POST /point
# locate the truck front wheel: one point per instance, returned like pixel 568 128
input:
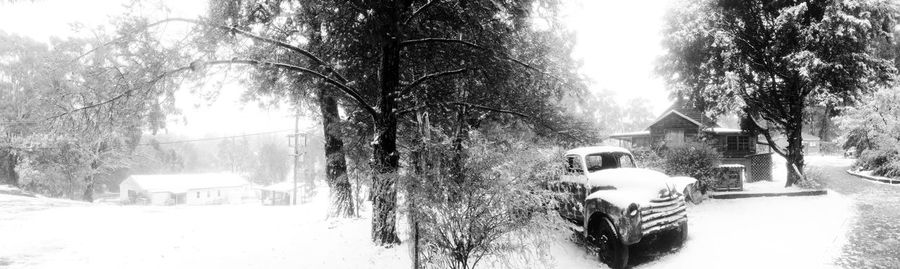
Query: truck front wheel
pixel 612 251
pixel 681 234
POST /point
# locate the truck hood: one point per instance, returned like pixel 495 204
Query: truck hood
pixel 634 184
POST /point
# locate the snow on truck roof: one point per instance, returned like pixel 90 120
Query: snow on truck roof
pixel 178 183
pixel 598 149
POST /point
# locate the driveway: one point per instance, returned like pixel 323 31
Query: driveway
pixel 873 237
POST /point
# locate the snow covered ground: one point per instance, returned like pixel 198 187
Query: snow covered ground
pixel 241 236
pixel 784 232
pixel 774 232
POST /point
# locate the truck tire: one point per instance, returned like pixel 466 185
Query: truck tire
pixel 612 252
pixel 681 235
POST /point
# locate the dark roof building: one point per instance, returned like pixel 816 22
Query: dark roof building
pixel 683 123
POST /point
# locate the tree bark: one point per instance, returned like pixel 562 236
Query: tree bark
pixel 89 189
pixel 8 162
pixel 459 154
pixel 824 123
pixel 335 162
pixel 794 155
pixel 386 158
pixel 88 195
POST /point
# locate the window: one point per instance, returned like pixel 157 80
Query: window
pixel 674 137
pixel 597 162
pixel 625 161
pixel 198 194
pixel 573 165
pixel 737 143
pixel 219 193
pixel 207 194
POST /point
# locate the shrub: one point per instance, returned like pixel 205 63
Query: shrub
pixel 697 160
pixel 882 162
pixel 650 159
pixel 496 212
pixel 873 159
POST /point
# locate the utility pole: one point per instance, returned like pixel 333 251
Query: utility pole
pixel 296 155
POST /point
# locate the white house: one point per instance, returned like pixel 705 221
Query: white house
pixel 278 194
pixel 192 189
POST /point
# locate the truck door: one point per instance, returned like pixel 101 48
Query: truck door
pixel 572 182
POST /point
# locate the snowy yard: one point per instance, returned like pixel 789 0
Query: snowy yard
pixel 102 236
pixel 792 232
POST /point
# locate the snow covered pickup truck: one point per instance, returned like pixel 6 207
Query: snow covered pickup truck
pixel 614 204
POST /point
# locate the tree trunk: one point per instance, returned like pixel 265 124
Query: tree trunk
pixel 459 153
pixel 384 189
pixel 8 162
pixel 794 155
pixel 335 162
pixel 824 127
pixel 89 189
pixel 386 158
pixel 88 195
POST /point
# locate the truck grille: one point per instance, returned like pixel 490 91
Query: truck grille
pixel 662 213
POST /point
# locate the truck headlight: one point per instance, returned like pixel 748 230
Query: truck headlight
pixel 632 210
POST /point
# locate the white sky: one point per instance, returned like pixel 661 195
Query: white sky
pixel 618 42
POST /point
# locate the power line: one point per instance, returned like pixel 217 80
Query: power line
pixel 213 138
pixel 185 141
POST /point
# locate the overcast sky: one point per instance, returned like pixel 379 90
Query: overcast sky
pixel 618 42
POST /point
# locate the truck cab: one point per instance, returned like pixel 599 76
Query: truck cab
pixel 615 204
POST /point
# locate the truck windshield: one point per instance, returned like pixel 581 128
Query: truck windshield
pixel 601 161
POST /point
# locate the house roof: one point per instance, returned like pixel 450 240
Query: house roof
pixel 597 149
pixel 688 112
pixel 180 183
pixel 719 130
pixel 670 112
pixel 630 134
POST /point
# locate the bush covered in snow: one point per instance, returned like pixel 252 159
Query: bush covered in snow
pixel 648 158
pixel 874 126
pixel 491 210
pixel 882 162
pixel 697 160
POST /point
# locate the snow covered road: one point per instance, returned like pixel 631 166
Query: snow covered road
pixel 874 235
pixel 777 232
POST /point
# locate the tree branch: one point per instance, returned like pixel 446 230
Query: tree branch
pixel 121 95
pixel 353 93
pixel 419 10
pixel 490 109
pixel 467 44
pixel 431 76
pixel 465 104
pixel 257 63
pixel 772 145
pixel 279 43
pixel 235 30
